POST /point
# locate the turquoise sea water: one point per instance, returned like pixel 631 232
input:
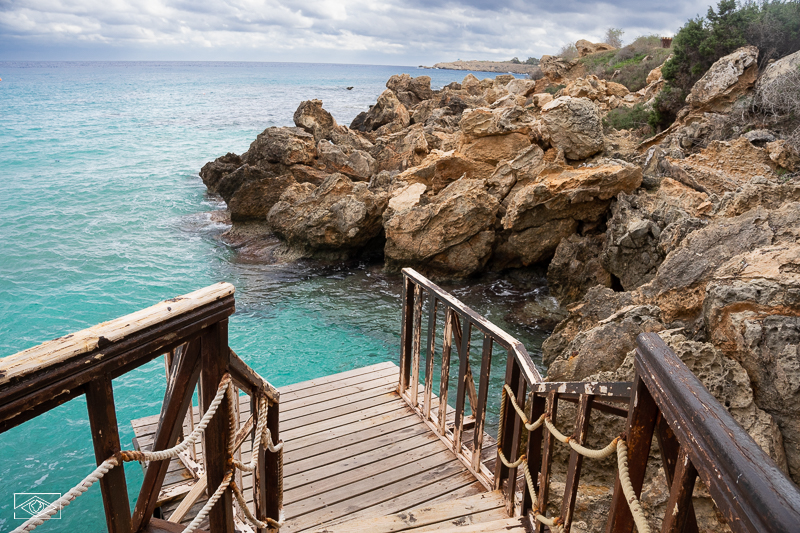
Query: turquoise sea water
pixel 102 213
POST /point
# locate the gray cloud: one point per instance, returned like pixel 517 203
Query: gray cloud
pixel 390 31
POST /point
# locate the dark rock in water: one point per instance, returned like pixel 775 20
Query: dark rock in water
pixel 350 88
pixel 251 192
pixel 213 171
pixel 314 119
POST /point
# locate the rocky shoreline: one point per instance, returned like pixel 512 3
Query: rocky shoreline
pixel 692 234
pixel 504 67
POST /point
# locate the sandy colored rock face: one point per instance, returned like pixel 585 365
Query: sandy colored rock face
pixel 440 169
pixel 407 197
pixel 576 267
pixel 483 122
pixel 574 126
pixel 311 117
pixel 556 68
pixel 213 171
pixel 493 149
pixel 287 146
pixel 723 166
pixel 339 215
pixel 410 91
pixel 388 110
pixel 726 80
pixel 777 70
pixel 452 232
pixel 586 48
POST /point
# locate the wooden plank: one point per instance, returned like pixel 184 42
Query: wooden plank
pixel 215 355
pixel 176 402
pixel 376 402
pixel 680 495
pixel 336 385
pixel 272 470
pixel 483 391
pixel 576 460
pixel 56 351
pixel 505 525
pixel 319 404
pixel 248 380
pixel 477 522
pixel 459 485
pixel 314 384
pixel 417 489
pixel 312 483
pixel 105 439
pixel 416 519
pixel 429 353
pixel 198 489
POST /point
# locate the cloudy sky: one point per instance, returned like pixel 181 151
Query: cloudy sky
pixel 391 32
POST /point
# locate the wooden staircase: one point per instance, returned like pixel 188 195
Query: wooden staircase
pixel 484 512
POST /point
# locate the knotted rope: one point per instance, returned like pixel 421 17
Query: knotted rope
pixel 618 445
pixel 263 439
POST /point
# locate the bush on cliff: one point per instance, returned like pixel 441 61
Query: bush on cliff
pixel 629 65
pixel 628 118
pixel 771 25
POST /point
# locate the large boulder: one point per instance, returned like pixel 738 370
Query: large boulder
pixel 576 267
pixel 250 192
pixel 451 232
pixel 646 226
pixel 557 68
pixel 339 216
pixel 439 169
pixel 752 314
pixel 402 150
pixel 574 126
pixel 549 207
pixel 775 73
pixel 495 148
pixel 586 48
pixel 410 91
pixel 356 164
pixel 723 166
pixel 727 79
pixel 287 146
pixel 483 122
pixel 314 119
pixel 387 110
pixel 213 171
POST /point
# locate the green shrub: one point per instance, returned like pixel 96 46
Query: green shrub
pixel 627 118
pixel 629 65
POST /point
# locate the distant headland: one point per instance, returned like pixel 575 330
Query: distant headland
pixel 487 66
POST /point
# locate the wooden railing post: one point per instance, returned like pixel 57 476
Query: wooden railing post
pixel 483 395
pixel 432 307
pixel 444 378
pixel 547 459
pixel 416 345
pixel 508 423
pixel 534 453
pixel 274 468
pixel 215 356
pixel 576 460
pixel 105 437
pixel 642 414
pixel 406 334
pixel 463 376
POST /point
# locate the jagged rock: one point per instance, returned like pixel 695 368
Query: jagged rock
pixel 440 169
pixel 576 267
pixel 356 164
pixel 287 146
pixel 634 247
pixel 605 346
pixel 616 89
pixel 314 119
pixel 402 150
pixel 752 314
pixel 387 110
pixel 759 137
pixel 338 216
pixel 759 192
pixel 542 99
pixel 483 122
pixel 251 192
pixel 493 149
pixel 777 71
pixel 344 137
pixel 574 126
pixel 727 79
pixel 502 79
pixel 407 197
pixel 521 87
pixel 586 48
pixel 423 112
pixel 451 233
pixel 213 171
pixel 654 75
pixel 471 85
pixel 549 206
pixel 410 91
pixel 723 166
pixel 557 68
pixel 590 87
pixel 783 155
pixel 679 285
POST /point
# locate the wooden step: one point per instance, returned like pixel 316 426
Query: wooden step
pixel 480 512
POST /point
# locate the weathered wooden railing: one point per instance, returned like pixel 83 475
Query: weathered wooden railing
pixel 696 435
pixel 193 330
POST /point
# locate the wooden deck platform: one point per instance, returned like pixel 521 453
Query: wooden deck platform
pixel 354 449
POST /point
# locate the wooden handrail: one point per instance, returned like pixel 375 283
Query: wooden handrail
pixel 193 330
pixel 747 486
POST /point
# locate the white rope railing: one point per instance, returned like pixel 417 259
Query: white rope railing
pixel 618 445
pixel 263 440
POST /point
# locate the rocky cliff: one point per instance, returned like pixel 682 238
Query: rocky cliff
pixel 692 234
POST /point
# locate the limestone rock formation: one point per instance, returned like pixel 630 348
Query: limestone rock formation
pixel 387 110
pixel 576 267
pixel 776 71
pixel 314 119
pixel 586 48
pixel 213 171
pixel 410 91
pixel 339 216
pixel 725 81
pixel 574 126
pixel 451 232
pixel 556 68
pixel 287 146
